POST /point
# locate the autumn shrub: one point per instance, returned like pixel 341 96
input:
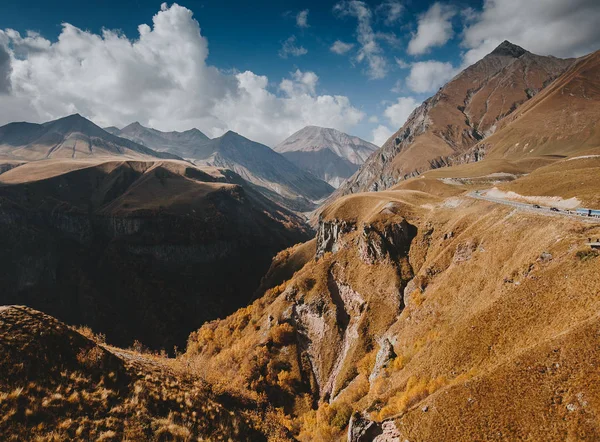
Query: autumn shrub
pixel 282 334
pixel 416 390
pixel 326 423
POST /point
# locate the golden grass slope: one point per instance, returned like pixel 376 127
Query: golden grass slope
pixel 56 384
pixel 561 120
pixel 492 315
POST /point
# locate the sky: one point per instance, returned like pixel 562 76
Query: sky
pixel 264 69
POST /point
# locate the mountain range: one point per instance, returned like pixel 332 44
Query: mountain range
pixel 270 172
pixel 327 153
pixel 448 292
pixel 72 137
pixel 145 250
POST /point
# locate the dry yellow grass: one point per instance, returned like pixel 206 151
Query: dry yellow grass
pixel 491 285
pixel 568 178
pixel 56 384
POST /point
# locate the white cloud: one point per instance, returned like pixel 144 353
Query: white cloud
pixel 391 11
pixel 402 64
pixel 563 28
pixel 340 48
pixel 373 119
pixel 428 76
pixel 288 47
pixel 398 113
pixel 370 51
pixel 398 87
pixel 302 19
pixel 261 115
pixel 380 135
pixel 434 29
pixel 160 79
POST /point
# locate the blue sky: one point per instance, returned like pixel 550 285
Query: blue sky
pixel 390 56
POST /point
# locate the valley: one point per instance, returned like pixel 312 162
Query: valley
pixel 175 286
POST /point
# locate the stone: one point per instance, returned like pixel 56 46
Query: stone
pixel 385 354
pixel 362 429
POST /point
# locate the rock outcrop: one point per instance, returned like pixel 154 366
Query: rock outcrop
pixel 362 429
pixel 385 355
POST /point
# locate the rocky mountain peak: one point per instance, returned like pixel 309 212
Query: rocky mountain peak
pixel 508 49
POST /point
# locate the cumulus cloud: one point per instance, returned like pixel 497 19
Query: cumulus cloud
pixel 428 76
pixel 262 115
pixel 340 48
pixel 380 135
pixel 302 19
pixel 398 113
pixel 563 28
pixel 289 47
pixel 160 79
pixel 391 11
pixel 370 51
pixel 434 29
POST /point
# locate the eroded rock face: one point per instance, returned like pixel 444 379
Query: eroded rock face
pixel 362 429
pixel 385 355
pixel 375 245
pixel 389 433
pixel 329 234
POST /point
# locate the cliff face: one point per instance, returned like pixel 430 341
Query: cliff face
pixel 462 113
pixel 111 247
pixel 412 307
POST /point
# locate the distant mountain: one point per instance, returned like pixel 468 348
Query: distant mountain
pixel 183 144
pixel 274 176
pixel 462 113
pixel 68 137
pixel 327 153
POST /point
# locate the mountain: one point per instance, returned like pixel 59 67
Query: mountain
pixel 328 154
pixel 463 112
pixel 182 144
pixel 69 137
pixel 561 120
pixel 269 171
pixel 145 250
pixel 271 174
pixel 419 315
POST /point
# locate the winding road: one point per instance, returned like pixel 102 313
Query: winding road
pixel 479 195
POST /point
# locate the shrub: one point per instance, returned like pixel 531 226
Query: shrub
pixel 587 254
pixel 282 334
